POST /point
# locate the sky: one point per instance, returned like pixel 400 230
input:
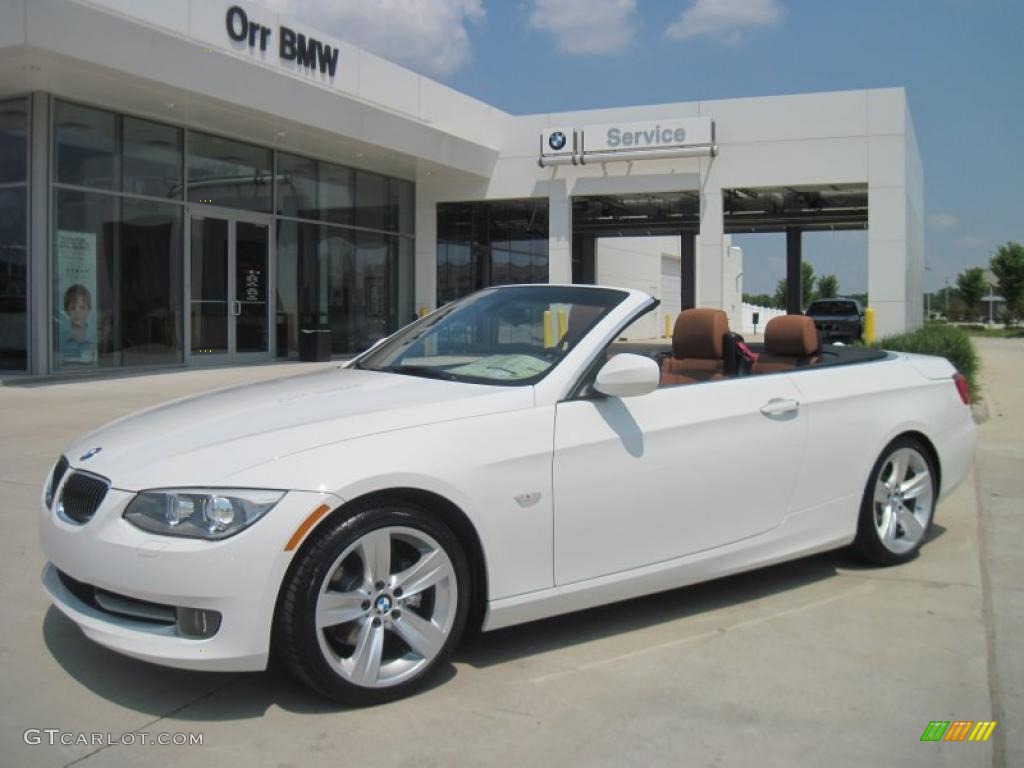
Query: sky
pixel 960 60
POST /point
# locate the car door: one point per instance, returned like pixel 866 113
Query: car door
pixel 684 469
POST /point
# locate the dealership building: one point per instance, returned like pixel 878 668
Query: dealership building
pixel 199 182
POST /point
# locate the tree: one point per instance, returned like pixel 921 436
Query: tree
pixel 972 287
pixel 807 284
pixel 759 299
pixel 828 287
pixel 1008 267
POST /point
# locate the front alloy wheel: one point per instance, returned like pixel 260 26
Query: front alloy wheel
pixel 375 604
pixel 898 504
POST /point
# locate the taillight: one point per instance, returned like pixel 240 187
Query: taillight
pixel 961 388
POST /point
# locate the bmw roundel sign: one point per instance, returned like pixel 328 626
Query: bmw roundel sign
pixel 557 142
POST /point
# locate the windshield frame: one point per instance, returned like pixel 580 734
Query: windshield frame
pixel 390 347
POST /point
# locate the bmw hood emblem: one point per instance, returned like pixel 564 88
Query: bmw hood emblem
pixel 556 140
pixel 90 453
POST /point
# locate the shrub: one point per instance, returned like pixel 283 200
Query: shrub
pixel 946 341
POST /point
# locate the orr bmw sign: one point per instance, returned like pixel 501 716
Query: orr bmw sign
pixel 292 47
pixel 628 141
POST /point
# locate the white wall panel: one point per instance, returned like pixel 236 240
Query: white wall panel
pixel 12 22
pixel 887 213
pixel 887 110
pixel 775 118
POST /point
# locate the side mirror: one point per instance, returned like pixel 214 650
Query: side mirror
pixel 627 375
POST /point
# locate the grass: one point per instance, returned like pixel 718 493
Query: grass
pixel 993 333
pixel 946 341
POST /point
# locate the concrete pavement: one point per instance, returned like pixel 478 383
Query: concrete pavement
pixel 817 662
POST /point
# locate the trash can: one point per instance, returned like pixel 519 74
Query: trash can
pixel 314 345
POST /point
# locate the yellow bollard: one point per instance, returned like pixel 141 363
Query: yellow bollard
pixel 548 340
pixel 869 326
pixel 668 326
pixel 423 311
pixel 563 324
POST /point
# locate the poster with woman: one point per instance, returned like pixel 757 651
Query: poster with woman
pixel 76 298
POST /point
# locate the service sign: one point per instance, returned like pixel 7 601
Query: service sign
pixel 557 142
pixel 651 134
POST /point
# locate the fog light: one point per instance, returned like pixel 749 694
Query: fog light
pixel 220 512
pixel 179 508
pixel 197 622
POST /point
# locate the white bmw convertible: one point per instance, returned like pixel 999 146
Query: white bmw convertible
pixel 503 459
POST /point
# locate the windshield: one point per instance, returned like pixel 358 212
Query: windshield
pixel 510 336
pixel 832 308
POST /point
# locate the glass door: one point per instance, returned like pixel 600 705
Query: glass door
pixel 250 310
pixel 229 262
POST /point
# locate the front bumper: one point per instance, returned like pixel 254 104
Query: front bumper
pixel 838 329
pixel 238 577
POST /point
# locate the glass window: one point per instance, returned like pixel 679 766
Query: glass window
pixel 229 173
pixel 403 205
pixel 13 280
pixel 84 280
pixel 13 140
pixel 336 193
pixel 150 283
pixel 490 243
pixel 403 281
pixel 153 159
pixel 373 203
pixel 86 146
pixel 296 186
pixel 302 290
pixel 494 336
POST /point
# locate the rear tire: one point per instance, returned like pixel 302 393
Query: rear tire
pixel 899 503
pixel 375 605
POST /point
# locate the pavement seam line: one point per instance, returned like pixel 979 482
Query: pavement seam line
pixel 988 611
pixel 156 720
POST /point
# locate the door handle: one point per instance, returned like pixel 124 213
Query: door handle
pixel 778 406
pixel 236 308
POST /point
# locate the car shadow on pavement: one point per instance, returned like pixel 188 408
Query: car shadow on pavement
pixel 485 649
pixel 216 696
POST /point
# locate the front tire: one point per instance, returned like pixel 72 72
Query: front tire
pixel 375 604
pixel 899 503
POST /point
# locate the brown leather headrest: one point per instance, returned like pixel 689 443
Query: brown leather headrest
pixel 698 333
pixel 793 335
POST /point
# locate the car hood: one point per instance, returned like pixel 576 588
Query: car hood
pixel 205 439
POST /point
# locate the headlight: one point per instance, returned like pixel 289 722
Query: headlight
pixel 200 513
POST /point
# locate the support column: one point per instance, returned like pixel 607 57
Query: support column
pixel 559 233
pixel 794 273
pixel 687 270
pixel 38 261
pixel 709 251
pixel 426 249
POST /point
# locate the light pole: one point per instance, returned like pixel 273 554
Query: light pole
pixel 927 297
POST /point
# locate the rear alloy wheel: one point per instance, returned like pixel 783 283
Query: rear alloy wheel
pixel 898 503
pixel 375 605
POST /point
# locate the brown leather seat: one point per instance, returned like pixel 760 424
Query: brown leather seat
pixel 696 348
pixel 790 341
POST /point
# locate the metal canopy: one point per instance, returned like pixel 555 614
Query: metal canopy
pixel 766 209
